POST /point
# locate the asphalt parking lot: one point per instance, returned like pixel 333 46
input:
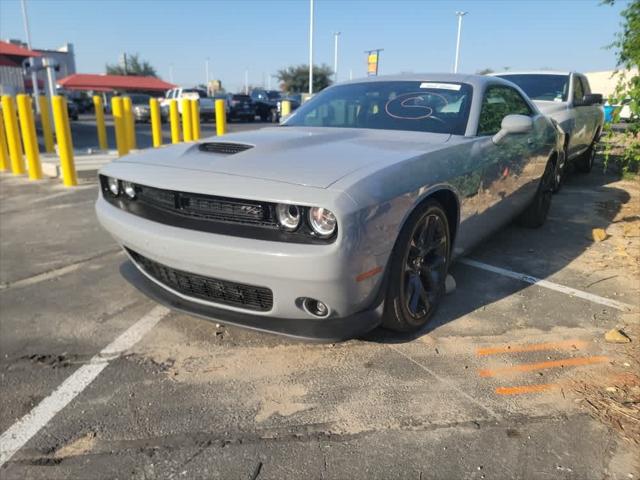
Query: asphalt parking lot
pixel 99 382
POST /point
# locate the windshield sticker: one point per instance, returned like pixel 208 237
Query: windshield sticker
pixel 415 106
pixel 441 86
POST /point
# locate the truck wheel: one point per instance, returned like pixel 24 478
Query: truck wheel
pixel 584 163
pixel 418 269
pixel 536 213
pixel 560 170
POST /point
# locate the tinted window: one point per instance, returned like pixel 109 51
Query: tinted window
pixel 542 86
pixel 138 99
pixel 498 102
pixel 201 93
pixel 578 91
pixel 244 98
pixel 416 106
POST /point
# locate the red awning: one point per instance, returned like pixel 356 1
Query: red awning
pixel 85 81
pixel 16 50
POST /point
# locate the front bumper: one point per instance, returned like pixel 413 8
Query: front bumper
pixel 330 329
pixel 292 271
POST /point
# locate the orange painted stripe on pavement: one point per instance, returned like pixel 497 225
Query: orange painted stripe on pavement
pixel 525 389
pixel 532 347
pixel 529 367
pixel 368 274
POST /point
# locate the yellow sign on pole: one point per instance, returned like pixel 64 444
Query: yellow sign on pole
pixel 373 60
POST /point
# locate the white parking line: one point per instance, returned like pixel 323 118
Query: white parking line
pixel 21 432
pixel 550 285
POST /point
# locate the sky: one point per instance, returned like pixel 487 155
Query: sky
pixel 262 36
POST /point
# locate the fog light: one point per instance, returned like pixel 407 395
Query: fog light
pixel 129 189
pixel 315 307
pixel 114 185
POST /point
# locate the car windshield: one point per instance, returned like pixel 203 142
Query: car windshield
pixel 273 94
pixel 542 86
pixel 140 99
pixel 436 107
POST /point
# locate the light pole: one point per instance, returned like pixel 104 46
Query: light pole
pixel 310 47
pixel 34 75
pixel 459 14
pixel 335 56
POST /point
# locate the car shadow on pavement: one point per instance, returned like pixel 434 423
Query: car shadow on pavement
pixel 586 202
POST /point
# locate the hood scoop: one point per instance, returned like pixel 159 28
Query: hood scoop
pixel 223 147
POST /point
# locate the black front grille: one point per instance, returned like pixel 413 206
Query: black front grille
pixel 206 288
pixel 223 147
pixel 208 207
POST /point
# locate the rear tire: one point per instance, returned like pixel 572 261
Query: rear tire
pixel 536 213
pixel 418 269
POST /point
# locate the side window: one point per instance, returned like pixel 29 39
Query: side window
pixel 578 91
pixel 499 102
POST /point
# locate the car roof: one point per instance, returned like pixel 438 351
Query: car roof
pixel 532 72
pixel 473 80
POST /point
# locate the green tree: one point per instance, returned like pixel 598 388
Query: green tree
pixel 132 66
pixel 627 47
pixel 295 79
pixel 484 71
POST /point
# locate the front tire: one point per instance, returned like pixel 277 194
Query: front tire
pixel 418 269
pixel 584 162
pixel 536 213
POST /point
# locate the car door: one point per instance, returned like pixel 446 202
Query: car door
pixel 590 113
pixel 509 169
pixel 579 141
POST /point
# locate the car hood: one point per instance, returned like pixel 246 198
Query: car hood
pixel 315 157
pixel 550 107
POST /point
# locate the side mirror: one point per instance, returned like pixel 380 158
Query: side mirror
pixel 591 99
pixel 513 124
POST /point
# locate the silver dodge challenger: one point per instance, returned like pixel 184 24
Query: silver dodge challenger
pixel 344 217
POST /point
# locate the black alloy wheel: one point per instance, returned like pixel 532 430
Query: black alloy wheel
pixel 418 274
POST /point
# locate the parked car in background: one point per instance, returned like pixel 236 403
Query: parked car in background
pixel 266 102
pixel 294 99
pixel 345 216
pixel 240 107
pixel 207 107
pixel 626 114
pixel 566 98
pixel 140 106
pixel 72 109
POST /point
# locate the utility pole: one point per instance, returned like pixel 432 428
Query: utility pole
pixel 34 75
pixel 459 14
pixel 310 47
pixel 335 56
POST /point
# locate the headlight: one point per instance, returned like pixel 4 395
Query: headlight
pixel 129 189
pixel 114 185
pixel 322 221
pixel 288 216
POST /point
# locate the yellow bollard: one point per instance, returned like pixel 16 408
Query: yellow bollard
pixel 29 139
pixel 285 108
pixel 156 127
pixel 13 135
pixel 130 124
pixel 100 125
pixel 187 123
pixel 221 117
pixel 119 126
pixel 195 119
pixel 5 162
pixel 65 145
pixel 45 121
pixel 174 117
